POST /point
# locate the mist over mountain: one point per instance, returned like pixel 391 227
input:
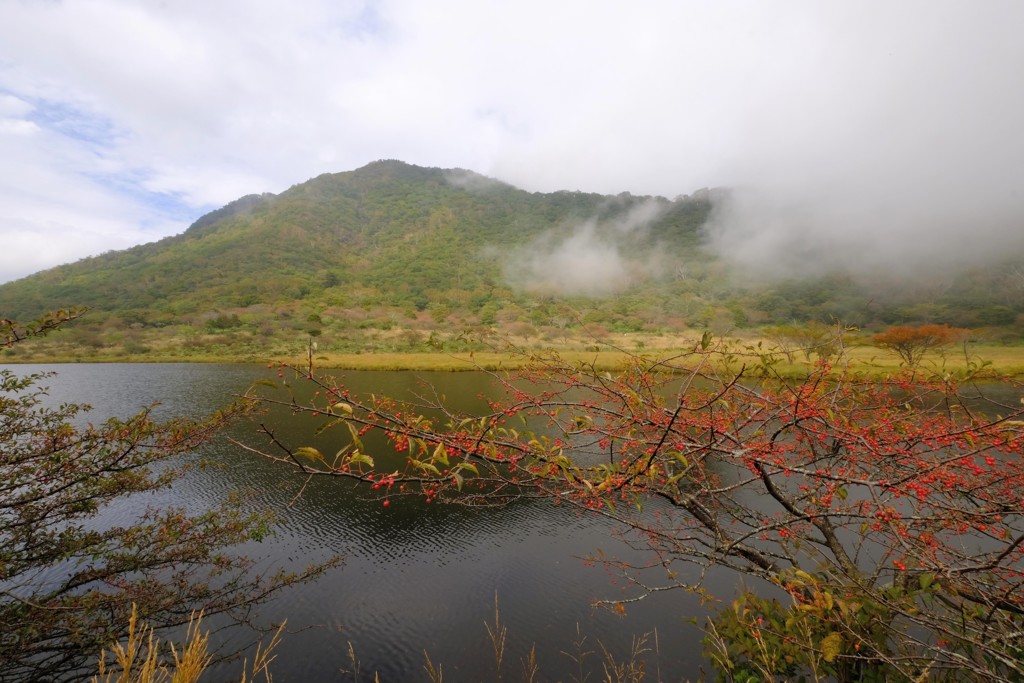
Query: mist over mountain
pixel 911 227
pixel 892 144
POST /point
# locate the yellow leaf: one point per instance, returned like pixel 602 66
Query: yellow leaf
pixel 831 646
pixel 800 573
pixel 441 454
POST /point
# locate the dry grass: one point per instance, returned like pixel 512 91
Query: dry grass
pixel 868 360
pixel 138 659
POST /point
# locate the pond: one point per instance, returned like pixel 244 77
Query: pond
pixel 414 576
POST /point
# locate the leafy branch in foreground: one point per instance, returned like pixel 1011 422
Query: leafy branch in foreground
pixel 890 510
pixel 12 332
pixel 68 575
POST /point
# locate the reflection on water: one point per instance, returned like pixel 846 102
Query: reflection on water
pixel 415 576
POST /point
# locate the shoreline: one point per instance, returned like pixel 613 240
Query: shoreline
pixel 988 361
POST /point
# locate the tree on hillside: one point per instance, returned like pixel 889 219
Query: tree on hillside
pixel 67 579
pixel 911 342
pixel 884 520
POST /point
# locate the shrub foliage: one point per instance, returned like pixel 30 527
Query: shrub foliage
pixel 68 580
pixel 884 516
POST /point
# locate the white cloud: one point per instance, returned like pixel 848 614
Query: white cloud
pixel 869 121
pixel 17 127
pixel 13 107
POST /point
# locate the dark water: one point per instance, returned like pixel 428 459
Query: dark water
pixel 415 577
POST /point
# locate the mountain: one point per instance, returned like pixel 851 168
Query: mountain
pixel 360 256
pixel 386 242
pixel 388 233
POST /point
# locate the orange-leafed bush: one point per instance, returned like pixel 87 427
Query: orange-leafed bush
pixel 911 342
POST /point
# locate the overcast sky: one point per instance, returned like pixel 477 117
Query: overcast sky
pixel 847 125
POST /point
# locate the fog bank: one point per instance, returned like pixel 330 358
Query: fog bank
pixel 895 150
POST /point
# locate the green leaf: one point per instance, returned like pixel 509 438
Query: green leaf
pixel 358 457
pixel 926 580
pixel 355 435
pixel 426 467
pixel 309 452
pixel 468 466
pixel 680 457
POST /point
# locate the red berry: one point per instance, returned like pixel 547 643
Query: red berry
pixel 387 503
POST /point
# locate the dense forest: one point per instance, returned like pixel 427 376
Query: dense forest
pixel 391 255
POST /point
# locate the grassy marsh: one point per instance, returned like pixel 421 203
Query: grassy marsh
pixel 605 354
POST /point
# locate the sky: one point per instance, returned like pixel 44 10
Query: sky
pixel 875 135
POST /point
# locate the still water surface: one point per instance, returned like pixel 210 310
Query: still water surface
pixel 415 577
